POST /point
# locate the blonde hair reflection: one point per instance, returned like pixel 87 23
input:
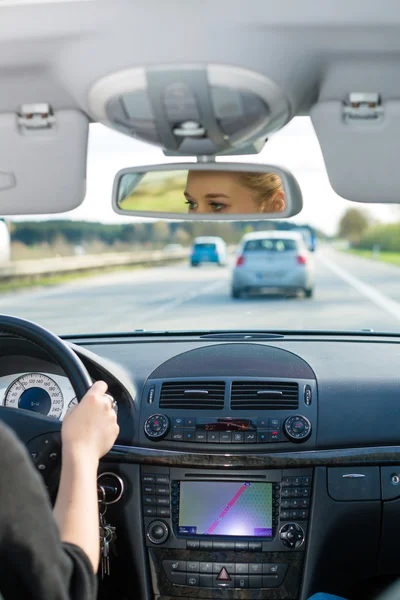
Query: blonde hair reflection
pixel 266 188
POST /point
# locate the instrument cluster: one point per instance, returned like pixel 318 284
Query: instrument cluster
pixel 47 394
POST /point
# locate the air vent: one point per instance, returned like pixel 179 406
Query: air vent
pixel 196 395
pixel 264 395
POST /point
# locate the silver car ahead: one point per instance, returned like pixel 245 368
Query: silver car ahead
pixel 274 260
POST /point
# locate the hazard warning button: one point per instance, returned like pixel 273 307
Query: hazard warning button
pixel 223 575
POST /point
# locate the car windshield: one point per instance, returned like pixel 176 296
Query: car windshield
pixel 334 266
pixel 270 245
pixel 204 246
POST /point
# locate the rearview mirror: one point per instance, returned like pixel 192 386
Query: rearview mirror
pixel 207 191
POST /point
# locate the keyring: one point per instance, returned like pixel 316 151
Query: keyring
pixel 101 489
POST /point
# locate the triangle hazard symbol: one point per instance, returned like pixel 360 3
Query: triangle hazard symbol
pixel 223 575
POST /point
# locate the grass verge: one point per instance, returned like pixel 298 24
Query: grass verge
pixel 54 280
pixel 392 258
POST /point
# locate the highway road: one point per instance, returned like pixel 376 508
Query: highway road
pixel 351 293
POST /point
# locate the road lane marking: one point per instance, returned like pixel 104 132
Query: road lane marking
pixel 187 297
pixel 387 304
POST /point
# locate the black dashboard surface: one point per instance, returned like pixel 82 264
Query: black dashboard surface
pixel 358 379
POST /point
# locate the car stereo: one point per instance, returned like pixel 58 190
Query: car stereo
pixel 226 529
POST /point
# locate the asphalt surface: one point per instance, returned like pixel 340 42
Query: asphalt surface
pixel 351 293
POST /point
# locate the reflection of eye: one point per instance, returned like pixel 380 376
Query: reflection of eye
pixel 217 206
pixel 192 204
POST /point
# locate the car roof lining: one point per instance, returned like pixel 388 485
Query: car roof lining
pixel 54 52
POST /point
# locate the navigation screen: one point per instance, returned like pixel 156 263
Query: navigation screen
pixel 232 508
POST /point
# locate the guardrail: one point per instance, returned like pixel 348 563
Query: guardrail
pixel 34 269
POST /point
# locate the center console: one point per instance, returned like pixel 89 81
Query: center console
pixel 208 530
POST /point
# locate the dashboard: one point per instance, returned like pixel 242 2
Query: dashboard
pixel 246 464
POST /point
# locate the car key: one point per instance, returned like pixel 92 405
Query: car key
pixel 107 535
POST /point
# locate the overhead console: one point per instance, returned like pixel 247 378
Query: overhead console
pixel 253 398
pixel 192 110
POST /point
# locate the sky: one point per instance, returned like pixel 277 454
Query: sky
pixel 295 147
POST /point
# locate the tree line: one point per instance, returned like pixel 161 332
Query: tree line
pixel 154 233
pixel 362 232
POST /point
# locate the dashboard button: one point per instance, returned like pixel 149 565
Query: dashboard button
pixel 285 515
pixel 150 511
pixel 222 545
pixel 148 478
pixel 190 422
pixel 174 565
pixel 178 422
pixel 296 492
pixel 241 581
pixel 206 567
pixel 225 437
pixel 262 437
pixel 189 435
pixel 192 566
pixel 162 490
pixel 177 435
pixel 241 546
pixel 304 502
pixel 162 479
pixel 263 422
pixel 255 546
pixel 218 566
pixel 206 580
pixel 306 481
pixel 163 501
pixel 200 436
pixel 306 492
pixel 192 544
pixel 255 582
pixel 270 569
pixel 297 481
pixel 303 515
pixel 241 568
pixel 287 482
pixel 255 569
pixel 250 437
pixel 193 579
pixel 307 395
pixel 206 544
pixel 163 511
pixel 149 489
pixel 275 423
pixel 286 503
pixel 213 437
pixel 270 581
pixel 237 437
pixel 274 435
pixel 149 499
pixel 294 504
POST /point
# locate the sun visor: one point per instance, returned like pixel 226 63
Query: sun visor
pixel 42 160
pixel 360 142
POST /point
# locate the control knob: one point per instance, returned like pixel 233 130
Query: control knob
pixel 157 532
pixel 297 428
pixel 292 535
pixel 156 427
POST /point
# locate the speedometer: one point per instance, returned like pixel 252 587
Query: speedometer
pixel 36 392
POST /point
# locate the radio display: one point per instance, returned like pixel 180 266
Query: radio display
pixel 229 508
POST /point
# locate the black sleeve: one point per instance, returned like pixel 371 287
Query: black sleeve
pixel 34 563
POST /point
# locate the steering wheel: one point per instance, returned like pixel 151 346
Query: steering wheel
pixel 41 433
